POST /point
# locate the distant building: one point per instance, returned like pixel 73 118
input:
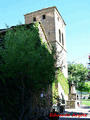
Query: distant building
pixel 89 68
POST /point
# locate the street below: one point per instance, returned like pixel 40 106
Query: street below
pixel 81 113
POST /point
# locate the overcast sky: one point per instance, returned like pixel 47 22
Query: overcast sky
pixel 76 14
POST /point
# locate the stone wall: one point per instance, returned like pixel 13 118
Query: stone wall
pixel 48 23
pixel 61 49
pixel 70 103
pixel 52 23
pixel 73 96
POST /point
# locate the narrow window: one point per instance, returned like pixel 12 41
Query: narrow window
pixel 48 33
pixel 59 36
pixel 34 19
pixel 58 18
pixel 43 16
pixel 62 39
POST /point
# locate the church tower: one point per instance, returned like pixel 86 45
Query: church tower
pixel 54 27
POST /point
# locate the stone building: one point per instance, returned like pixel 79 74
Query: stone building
pixel 37 104
pixel 54 27
pixel 52 31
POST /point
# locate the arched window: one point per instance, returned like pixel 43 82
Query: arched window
pixel 62 39
pixel 59 36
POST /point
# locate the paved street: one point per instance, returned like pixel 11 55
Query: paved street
pixel 74 118
pixel 82 113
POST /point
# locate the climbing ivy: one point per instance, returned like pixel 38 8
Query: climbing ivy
pixel 26 68
pixel 63 82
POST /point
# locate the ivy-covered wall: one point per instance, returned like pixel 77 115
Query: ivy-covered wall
pixel 64 84
pixel 54 93
pixel 27 71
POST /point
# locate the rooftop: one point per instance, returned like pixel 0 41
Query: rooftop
pixel 54 7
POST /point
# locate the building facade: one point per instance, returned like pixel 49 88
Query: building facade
pixel 89 68
pixel 54 27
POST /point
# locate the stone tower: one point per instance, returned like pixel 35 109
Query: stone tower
pixel 54 27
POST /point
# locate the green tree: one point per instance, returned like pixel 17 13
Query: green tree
pixel 26 67
pixel 77 74
pixel 88 76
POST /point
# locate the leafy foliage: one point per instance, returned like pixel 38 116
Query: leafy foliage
pixel 26 66
pixel 86 102
pixel 54 93
pixel 63 81
pixel 77 74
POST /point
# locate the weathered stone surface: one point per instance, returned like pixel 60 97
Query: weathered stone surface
pixel 72 96
pixel 52 23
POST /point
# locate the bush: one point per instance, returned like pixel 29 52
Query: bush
pixel 26 67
